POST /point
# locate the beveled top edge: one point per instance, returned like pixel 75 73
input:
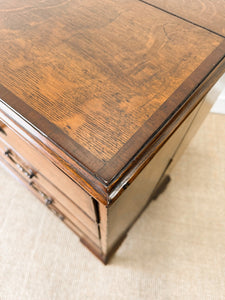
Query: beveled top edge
pixel 101 186
pixel 166 112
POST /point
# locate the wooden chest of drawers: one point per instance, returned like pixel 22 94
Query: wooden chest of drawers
pixel 98 101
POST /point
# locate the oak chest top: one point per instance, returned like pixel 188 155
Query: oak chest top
pixel 102 84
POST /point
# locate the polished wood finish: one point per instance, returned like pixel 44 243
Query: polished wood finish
pixel 98 99
pixel 114 66
pixel 206 13
pixel 153 145
pixel 117 219
pixel 121 215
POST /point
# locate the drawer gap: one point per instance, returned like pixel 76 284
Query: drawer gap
pixel 96 208
pixel 97 215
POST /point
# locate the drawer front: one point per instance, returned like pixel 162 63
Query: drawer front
pixel 54 205
pixel 53 198
pixel 47 190
pixel 94 241
pixel 42 165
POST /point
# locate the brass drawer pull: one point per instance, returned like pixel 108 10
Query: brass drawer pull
pixel 28 173
pixel 48 200
pixel 57 213
pixel 2 125
pixel 2 131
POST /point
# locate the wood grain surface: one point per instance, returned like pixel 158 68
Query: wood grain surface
pixel 207 13
pixel 97 71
